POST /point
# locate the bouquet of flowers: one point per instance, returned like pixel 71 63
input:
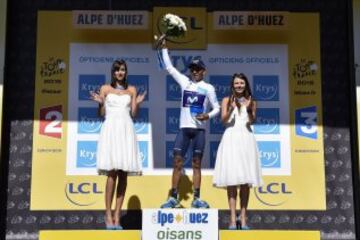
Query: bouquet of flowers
pixel 171 26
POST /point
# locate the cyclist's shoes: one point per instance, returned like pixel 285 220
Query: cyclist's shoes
pixel 198 203
pixel 171 203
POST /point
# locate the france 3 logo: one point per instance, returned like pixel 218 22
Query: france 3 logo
pixel 51 121
pixel 144 153
pixel 142 121
pixel 89 121
pixel 221 84
pixel 266 87
pixel 89 83
pixel 267 121
pixel 269 152
pixel 86 154
pixel 306 122
pixel 169 158
pixel 173 89
pixel 172 120
pixel 214 145
pixel 141 82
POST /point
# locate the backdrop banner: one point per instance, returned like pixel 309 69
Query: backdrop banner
pixel 281 62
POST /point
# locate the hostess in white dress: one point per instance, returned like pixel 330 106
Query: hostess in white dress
pixel 117 147
pixel 237 159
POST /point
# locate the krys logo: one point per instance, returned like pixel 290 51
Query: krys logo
pixel 89 121
pixel 266 88
pixel 273 194
pixel 173 89
pixel 172 120
pixel 192 24
pixel 142 121
pixel 267 121
pixel 221 84
pixel 269 152
pixel 304 68
pixel 53 66
pixel 82 194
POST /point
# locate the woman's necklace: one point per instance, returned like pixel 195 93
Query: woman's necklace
pixel 119 87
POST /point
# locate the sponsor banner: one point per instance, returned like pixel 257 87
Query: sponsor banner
pixel 228 20
pixel 180 224
pixel 110 19
pixel 89 234
pixel 269 235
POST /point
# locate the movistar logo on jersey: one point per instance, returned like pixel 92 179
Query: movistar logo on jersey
pixel 193 99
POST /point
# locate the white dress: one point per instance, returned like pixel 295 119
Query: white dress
pixel 237 159
pixel 117 147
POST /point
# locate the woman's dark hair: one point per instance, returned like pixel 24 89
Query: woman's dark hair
pixel 115 67
pixel 247 91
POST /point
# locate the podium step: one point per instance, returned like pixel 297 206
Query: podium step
pixel 90 234
pixel 268 235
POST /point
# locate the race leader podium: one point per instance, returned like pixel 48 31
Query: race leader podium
pixel 184 224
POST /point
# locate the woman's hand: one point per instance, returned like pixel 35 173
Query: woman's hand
pixel 96 97
pixel 140 98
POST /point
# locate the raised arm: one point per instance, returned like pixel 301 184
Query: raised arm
pixel 180 78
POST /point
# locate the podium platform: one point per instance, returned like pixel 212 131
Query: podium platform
pixel 90 235
pixel 136 235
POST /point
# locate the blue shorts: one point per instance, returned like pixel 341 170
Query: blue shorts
pixel 183 139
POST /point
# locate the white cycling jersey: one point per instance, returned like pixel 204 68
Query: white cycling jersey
pixel 195 96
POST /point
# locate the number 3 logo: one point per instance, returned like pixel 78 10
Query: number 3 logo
pixel 51 121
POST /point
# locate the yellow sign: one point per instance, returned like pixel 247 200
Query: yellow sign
pixel 196 21
pixel 269 235
pixel 90 235
pixel 52 189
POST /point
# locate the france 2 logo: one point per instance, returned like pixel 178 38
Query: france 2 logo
pixel 306 122
pixel 51 121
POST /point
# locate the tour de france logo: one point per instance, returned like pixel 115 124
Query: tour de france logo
pixel 304 68
pixel 53 66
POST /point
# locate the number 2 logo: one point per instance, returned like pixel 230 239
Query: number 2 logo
pixel 51 121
